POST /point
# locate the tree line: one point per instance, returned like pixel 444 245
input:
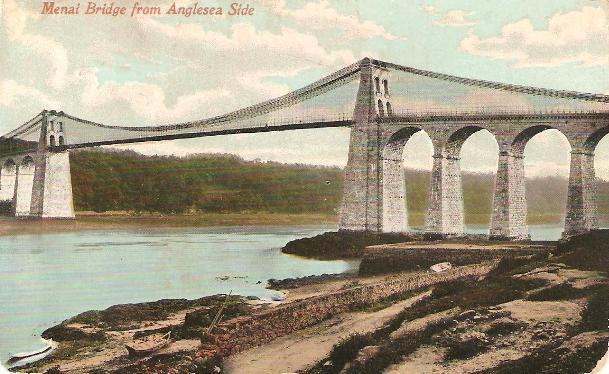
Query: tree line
pixel 108 180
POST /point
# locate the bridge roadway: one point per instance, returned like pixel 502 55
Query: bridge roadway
pixel 386 104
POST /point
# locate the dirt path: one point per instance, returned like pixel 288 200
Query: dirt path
pixel 304 348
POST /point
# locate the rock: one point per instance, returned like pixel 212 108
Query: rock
pixel 366 353
pixel 467 314
pixel 53 370
pixel 468 345
pixel 62 332
pixel 440 267
pixel 328 364
pixel 420 324
pixel 217 369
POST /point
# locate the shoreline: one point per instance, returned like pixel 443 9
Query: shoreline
pixel 542 305
pixel 84 221
pixel 120 220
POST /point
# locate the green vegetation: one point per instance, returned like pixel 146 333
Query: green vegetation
pixel 106 180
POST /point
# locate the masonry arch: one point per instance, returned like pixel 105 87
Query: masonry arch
pixel 597 145
pixel 395 207
pixel 24 185
pixel 52 141
pixel 545 157
pixel 8 173
pixel 473 150
pixel 61 140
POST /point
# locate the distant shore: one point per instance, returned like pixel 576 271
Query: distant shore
pixel 87 221
pixel 119 220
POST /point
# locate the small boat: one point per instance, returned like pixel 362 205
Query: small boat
pixel 23 355
pixel 442 266
pixel 148 344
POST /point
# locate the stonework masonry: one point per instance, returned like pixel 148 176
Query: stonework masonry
pixel 374 197
pixel 38 183
pixel 243 333
pixel 361 206
pixel 445 205
pixel 581 204
pixel 509 201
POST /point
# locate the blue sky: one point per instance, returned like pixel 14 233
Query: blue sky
pixel 154 70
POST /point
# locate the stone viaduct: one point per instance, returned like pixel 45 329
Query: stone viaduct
pixel 384 105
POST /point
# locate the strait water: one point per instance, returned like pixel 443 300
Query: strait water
pixel 46 278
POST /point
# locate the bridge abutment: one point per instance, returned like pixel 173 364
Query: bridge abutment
pixel 509 201
pixel 581 199
pixel 52 188
pixel 445 205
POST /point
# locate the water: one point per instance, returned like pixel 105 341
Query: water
pixel 537 232
pixel 46 278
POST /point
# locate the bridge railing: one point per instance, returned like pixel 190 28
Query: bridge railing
pixel 490 110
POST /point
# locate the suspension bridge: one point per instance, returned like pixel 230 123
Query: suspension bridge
pixel 383 104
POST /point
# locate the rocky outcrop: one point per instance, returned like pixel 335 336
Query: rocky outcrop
pixel 389 258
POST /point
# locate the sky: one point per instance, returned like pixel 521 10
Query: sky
pixel 150 70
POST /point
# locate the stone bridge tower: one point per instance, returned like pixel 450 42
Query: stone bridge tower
pixel 37 182
pixel 374 190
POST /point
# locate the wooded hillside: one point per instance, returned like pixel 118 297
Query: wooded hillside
pixel 125 180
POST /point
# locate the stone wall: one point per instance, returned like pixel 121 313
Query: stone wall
pixel 245 332
pixel 393 258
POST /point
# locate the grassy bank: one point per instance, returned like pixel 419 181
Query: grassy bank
pixel 206 219
pixel 85 221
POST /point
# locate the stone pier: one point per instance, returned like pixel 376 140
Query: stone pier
pixel 509 201
pixel 581 202
pixel 445 205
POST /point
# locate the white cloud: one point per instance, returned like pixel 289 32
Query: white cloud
pixel 455 18
pixel 144 99
pixel 245 38
pixel 321 16
pixel 14 93
pixel 45 48
pixel 429 9
pixel 579 36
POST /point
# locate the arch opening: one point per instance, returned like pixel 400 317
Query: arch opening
pixel 25 184
pixel 476 151
pixel 8 175
pixel 547 159
pixel 27 163
pixel 389 109
pixel 61 140
pixel 377 84
pixel 52 141
pixel 381 108
pixel 396 207
pixel 386 86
